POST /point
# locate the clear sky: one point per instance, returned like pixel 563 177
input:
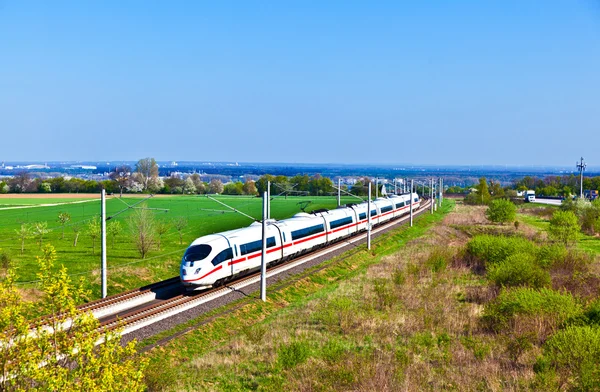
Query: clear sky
pixel 424 82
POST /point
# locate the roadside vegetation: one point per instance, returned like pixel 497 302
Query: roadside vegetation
pixel 465 304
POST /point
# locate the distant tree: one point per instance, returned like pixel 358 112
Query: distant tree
pixel 215 186
pixel 189 187
pixel 147 173
pixel 113 229
pixel 161 228
pixel 144 230
pixel 200 187
pixel 249 188
pixel 300 182
pixel 179 225
pixel 501 211
pixel 564 227
pixel 63 219
pixel 481 196
pixel 319 185
pixel 122 177
pixel 44 187
pixel 261 183
pixel 24 232
pixel 40 229
pixel 93 231
pixel 233 188
pixel 19 182
pixel 496 189
pixel 174 182
pixel 4 188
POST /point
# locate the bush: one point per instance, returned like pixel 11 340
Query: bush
pixel 519 269
pixel 564 227
pixel 501 211
pixel 574 354
pixel 547 308
pixel 293 354
pixel 494 249
pixel 4 260
pixel 548 255
pixel 438 259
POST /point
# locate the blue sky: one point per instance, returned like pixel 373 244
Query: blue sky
pixel 506 82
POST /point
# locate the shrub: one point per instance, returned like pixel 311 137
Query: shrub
pixel 545 308
pixel 438 259
pixel 564 227
pixel 294 353
pixel 494 249
pixel 4 260
pixel 548 255
pixel 501 211
pixel 519 269
pixel 574 354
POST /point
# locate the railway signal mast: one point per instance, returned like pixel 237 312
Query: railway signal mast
pixel 581 165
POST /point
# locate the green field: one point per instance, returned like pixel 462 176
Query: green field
pixel 33 202
pixel 126 269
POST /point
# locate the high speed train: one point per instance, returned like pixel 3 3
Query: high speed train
pixel 215 259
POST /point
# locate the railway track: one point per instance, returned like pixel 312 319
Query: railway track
pixel 135 309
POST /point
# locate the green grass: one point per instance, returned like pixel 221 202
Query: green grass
pixel 126 269
pixel 15 202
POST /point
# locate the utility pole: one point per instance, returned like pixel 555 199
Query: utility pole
pixel 369 219
pixel 440 193
pixel 431 192
pixel 339 192
pixel 103 239
pixel 411 203
pixel 395 187
pixel 581 166
pixel 376 188
pixel 263 264
pixel 268 199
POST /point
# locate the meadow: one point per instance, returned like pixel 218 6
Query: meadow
pixel 126 268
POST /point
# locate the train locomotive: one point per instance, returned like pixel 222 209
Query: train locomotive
pixel 215 259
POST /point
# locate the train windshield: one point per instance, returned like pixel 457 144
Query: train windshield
pixel 196 253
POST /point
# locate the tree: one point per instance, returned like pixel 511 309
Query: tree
pixel 63 219
pixel 249 188
pixel 147 173
pixel 93 231
pixel 481 196
pixel 64 356
pixel 233 188
pixel 39 230
pixel 162 228
pixel 113 229
pixel 76 229
pixel 180 224
pixel 143 229
pixel 24 232
pixel 200 188
pixel 122 177
pixel 501 211
pixel 20 182
pixel 564 227
pixel 215 186
pixel 189 187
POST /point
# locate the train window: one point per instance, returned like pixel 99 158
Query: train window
pixel 416 199
pixel 197 252
pixel 226 254
pixel 400 205
pixel 373 212
pixel 386 209
pixel 296 234
pixel 255 245
pixel 363 215
pixel 340 222
pixel 284 240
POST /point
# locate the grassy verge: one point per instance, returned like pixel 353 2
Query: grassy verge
pixel 197 360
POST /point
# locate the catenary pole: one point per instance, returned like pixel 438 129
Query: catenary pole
pixel 369 219
pixel 376 188
pixel 411 203
pixel 103 239
pixel 339 192
pixel 395 187
pixel 431 192
pixel 268 199
pixel 263 264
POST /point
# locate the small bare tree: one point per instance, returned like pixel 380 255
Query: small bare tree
pixel 122 177
pixel 113 229
pixel 76 229
pixel 63 219
pixel 162 228
pixel 39 230
pixel 93 230
pixel 143 229
pixel 24 232
pixel 180 224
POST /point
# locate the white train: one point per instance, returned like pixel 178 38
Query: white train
pixel 217 258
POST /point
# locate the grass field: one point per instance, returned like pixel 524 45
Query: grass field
pixel 126 268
